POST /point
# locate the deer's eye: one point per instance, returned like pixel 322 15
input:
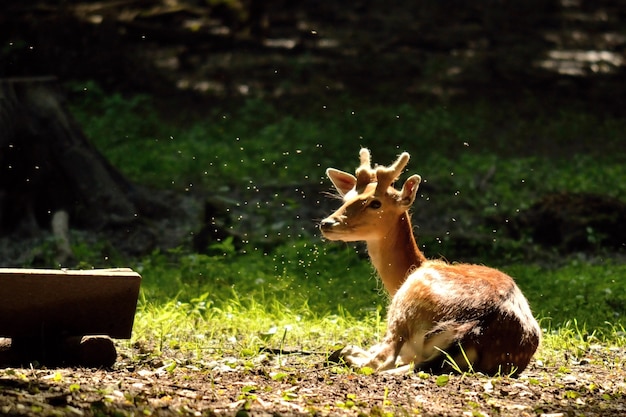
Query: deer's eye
pixel 375 204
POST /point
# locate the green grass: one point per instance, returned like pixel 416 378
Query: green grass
pixel 302 273
pixel 328 277
pixel 452 146
pixel 236 305
pixel 243 326
pixel 593 295
pixel 319 296
pixel 580 308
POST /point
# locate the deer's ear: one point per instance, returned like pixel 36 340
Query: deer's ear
pixel 409 190
pixel 342 181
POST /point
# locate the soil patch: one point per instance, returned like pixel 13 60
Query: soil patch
pixel 296 384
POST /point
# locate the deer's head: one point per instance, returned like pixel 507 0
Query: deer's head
pixel 371 205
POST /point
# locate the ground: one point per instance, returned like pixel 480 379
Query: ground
pixel 296 383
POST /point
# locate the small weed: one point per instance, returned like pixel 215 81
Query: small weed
pixel 459 368
pixel 366 370
pixel 442 380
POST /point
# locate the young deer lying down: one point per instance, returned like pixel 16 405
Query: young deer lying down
pixel 474 313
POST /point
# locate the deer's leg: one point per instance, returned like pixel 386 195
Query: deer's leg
pixel 404 334
pixel 355 356
pixel 446 335
pixel 380 358
pixel 403 341
pixel 417 346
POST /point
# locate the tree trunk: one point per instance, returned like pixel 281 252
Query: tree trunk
pixel 47 165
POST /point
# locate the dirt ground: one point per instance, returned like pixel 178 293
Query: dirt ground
pixel 296 384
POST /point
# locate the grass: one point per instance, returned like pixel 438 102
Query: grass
pixel 301 273
pixel 319 296
pixel 452 146
pixel 243 302
pixel 236 329
pixel 591 294
pixel 243 327
pixel 327 277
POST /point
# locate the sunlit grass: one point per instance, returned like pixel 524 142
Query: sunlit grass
pixel 573 343
pixel 234 305
pixel 326 277
pixel 241 327
pixel 323 277
pixel 591 294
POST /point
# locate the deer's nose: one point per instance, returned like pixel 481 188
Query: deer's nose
pixel 328 223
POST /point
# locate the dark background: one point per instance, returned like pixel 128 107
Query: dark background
pixel 193 56
pixel 224 49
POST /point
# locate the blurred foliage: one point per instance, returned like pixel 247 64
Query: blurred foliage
pixel 452 144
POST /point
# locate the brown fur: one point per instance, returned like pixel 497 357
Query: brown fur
pixel 470 311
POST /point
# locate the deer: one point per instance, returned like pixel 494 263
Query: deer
pixel 442 317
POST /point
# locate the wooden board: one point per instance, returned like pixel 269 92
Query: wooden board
pixel 52 303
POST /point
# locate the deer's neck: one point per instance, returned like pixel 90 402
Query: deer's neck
pixel 395 254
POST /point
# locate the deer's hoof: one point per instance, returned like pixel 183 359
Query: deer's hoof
pixel 350 355
pixel 336 357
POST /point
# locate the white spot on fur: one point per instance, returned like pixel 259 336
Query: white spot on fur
pixel 517 306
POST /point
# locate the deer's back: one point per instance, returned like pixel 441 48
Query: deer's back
pixel 452 288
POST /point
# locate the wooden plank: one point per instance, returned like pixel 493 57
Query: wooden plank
pixel 52 303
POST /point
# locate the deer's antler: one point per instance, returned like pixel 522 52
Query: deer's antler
pixel 364 173
pixel 387 175
pixel 384 176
